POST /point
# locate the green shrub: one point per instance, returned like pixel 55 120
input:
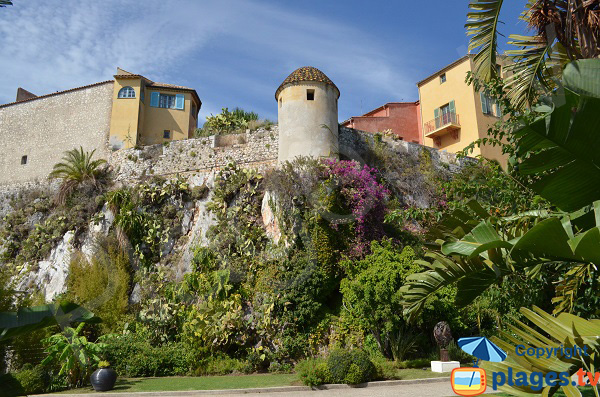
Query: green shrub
pixel 219 365
pixel 350 366
pixel 313 371
pixel 417 363
pixel 361 359
pixel 104 283
pixel 133 356
pixel 458 354
pixel 32 379
pixel 339 362
pixel 355 375
pixel 385 369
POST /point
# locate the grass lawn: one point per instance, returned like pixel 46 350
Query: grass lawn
pixel 197 383
pixel 226 382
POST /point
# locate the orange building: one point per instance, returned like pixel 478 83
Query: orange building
pixel 401 118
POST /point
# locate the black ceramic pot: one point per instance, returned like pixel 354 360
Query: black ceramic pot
pixel 103 379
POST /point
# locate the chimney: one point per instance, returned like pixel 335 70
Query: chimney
pixel 23 94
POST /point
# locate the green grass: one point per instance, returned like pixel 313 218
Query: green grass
pixel 226 382
pixel 197 383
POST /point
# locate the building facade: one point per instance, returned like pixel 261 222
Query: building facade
pixel 146 113
pixel 401 118
pixel 453 114
pixel 127 111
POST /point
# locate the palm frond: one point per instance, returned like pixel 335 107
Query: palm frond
pixel 4 3
pixel 527 73
pixel 482 25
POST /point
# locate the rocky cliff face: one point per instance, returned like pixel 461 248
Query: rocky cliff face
pixel 49 275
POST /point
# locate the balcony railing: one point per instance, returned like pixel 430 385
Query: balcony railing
pixel 442 124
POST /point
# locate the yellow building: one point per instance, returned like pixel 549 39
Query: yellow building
pixel 145 112
pixel 453 114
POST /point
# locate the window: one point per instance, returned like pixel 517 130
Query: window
pixel 167 134
pixel 166 101
pixel 489 105
pixel 143 94
pixel 127 92
pixel 443 78
pixel 23 160
pixel 310 95
pixel 194 110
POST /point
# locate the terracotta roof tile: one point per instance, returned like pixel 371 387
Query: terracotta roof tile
pixel 306 74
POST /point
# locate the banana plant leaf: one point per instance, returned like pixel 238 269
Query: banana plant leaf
pixel 561 149
pixel 30 319
pixel 494 248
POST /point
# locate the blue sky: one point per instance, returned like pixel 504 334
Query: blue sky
pixel 236 52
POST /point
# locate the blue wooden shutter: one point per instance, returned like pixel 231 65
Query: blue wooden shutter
pixel 484 103
pixel 436 114
pixel 179 101
pixel 154 99
pixel 452 115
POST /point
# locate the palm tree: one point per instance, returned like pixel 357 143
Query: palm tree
pixel 78 169
pixel 563 31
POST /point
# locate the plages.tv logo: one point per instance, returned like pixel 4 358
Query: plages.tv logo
pixel 473 381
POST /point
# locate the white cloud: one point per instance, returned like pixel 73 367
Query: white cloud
pixel 49 46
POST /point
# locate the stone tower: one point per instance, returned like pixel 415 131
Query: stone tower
pixel 307 115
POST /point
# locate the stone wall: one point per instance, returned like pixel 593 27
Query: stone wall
pixel 254 149
pixel 355 145
pixel 44 128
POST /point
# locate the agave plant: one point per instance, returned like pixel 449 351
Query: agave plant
pixel 563 31
pixel 77 169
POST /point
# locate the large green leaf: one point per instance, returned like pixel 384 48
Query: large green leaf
pixel 562 148
pixel 482 24
pixel 526 71
pixel 566 330
pixel 29 319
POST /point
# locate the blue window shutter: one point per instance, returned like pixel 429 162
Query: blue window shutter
pixel 436 115
pixel 179 101
pixel 154 99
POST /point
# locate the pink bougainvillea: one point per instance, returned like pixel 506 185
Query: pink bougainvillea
pixel 364 196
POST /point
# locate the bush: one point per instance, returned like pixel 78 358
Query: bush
pixel 104 284
pixel 314 371
pixel 219 365
pixel 133 356
pixel 350 366
pixel 339 362
pixel 32 380
pixel 417 363
pixel 385 369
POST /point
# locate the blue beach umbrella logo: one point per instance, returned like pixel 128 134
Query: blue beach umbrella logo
pixel 482 348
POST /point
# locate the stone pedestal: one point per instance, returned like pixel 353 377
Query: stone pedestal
pixel 444 366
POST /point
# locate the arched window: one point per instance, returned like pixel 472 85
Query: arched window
pixel 127 92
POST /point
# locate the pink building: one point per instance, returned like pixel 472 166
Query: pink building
pixel 402 118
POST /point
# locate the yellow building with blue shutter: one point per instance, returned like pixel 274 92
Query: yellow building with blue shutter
pixel 453 114
pixel 145 112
